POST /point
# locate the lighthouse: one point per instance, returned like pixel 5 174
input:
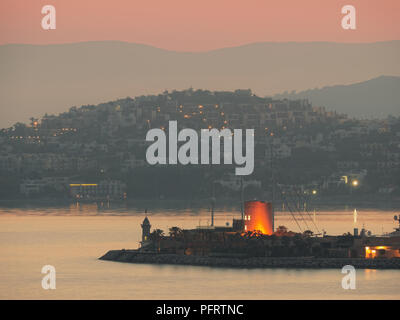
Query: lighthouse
pixel 145 229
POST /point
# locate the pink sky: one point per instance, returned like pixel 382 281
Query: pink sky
pixel 198 25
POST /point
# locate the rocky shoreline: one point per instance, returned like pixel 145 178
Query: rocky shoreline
pixel 135 256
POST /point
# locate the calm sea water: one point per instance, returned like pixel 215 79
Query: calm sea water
pixel 71 239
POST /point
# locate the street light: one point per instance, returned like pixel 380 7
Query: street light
pixel 354 185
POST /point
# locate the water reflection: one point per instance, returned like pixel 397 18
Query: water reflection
pixel 72 238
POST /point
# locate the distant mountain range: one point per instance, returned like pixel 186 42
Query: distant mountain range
pixel 38 79
pixel 377 97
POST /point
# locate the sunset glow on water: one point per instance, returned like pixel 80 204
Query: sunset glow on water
pixel 73 238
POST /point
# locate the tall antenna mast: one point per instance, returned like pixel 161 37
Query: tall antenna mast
pixel 241 198
pixel 212 204
pixel 272 180
pixel 212 195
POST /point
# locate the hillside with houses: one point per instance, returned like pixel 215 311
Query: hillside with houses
pixel 98 151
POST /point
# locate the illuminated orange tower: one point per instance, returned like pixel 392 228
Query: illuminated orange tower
pixel 258 215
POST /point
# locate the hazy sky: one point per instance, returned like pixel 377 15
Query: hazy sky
pixel 198 25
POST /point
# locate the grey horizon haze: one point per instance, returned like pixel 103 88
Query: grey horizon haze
pixel 39 79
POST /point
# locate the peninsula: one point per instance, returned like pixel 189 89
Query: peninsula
pixel 250 242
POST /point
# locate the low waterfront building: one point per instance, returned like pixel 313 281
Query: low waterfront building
pixel 45 185
pixel 107 189
pixel 376 252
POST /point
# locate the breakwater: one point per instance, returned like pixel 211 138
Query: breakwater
pixel 135 256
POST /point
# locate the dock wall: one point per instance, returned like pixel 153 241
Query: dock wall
pixel 134 256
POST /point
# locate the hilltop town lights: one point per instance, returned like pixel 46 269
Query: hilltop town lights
pixel 188 152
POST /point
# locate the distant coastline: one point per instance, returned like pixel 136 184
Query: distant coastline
pixel 325 203
pixel 322 203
